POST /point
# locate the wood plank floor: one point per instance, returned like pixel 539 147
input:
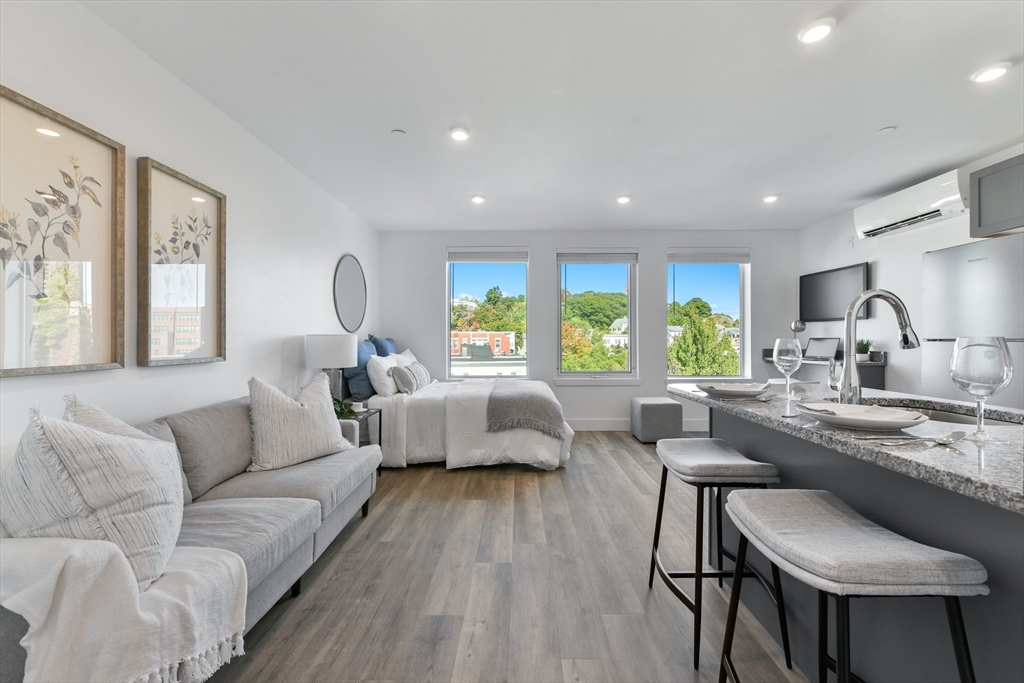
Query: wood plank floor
pixel 507 574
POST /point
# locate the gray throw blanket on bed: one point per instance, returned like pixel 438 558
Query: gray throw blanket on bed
pixel 524 404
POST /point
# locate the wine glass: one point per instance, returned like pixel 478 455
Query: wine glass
pixel 787 357
pixel 982 367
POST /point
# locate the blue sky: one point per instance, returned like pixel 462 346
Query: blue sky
pixel 716 283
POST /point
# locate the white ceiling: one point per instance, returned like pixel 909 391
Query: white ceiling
pixel 695 109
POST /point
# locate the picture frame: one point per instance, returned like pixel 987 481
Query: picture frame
pixel 62 256
pixel 182 258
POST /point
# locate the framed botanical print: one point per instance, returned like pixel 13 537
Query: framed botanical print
pixel 182 256
pixel 61 243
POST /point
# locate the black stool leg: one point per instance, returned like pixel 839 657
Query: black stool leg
pixel 725 668
pixel 657 523
pixel 698 578
pixel 781 606
pixel 718 530
pixel 959 633
pixel 843 638
pixel 822 636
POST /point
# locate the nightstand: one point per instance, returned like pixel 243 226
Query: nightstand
pixel 364 415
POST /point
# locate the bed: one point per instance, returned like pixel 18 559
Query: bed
pixel 447 422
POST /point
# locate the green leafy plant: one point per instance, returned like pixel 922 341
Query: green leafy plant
pixel 864 345
pixel 343 411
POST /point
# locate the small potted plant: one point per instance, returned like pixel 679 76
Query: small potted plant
pixel 343 411
pixel 864 350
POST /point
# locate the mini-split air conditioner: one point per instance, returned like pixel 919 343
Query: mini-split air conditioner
pixel 915 207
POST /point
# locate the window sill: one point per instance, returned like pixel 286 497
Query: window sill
pixel 693 380
pixel 597 381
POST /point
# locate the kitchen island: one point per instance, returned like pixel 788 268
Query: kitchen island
pixel 963 498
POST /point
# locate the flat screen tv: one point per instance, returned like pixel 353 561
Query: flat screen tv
pixel 827 295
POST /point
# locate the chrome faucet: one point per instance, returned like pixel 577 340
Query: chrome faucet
pixel 849 386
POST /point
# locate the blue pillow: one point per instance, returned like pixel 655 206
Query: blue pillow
pixel 358 381
pixel 385 347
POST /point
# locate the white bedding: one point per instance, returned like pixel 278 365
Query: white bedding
pixel 447 422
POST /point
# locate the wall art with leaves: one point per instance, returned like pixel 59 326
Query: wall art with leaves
pixel 182 242
pixel 61 243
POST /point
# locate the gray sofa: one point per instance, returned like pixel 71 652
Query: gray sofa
pixel 278 521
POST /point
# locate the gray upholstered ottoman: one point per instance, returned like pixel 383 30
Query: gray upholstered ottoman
pixel 654 418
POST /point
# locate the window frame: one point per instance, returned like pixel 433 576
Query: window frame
pixel 483 255
pixel 605 377
pixel 741 257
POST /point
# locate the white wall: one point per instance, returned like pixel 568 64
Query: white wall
pixel 414 304
pixel 895 264
pixel 285 233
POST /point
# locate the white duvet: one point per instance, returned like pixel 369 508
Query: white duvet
pixel 447 422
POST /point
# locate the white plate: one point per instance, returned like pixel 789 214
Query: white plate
pixel 733 390
pixel 868 418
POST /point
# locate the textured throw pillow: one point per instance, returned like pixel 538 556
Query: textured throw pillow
pixel 71 481
pixel 405 358
pixel 377 369
pixel 384 347
pixel 358 381
pixel 404 379
pixel 287 431
pixel 86 414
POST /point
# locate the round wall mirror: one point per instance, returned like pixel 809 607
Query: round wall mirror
pixel 350 292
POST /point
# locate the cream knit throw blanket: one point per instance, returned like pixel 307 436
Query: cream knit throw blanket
pixel 89 622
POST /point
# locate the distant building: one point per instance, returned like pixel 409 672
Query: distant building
pixel 500 343
pixel 618 337
pixel 468 304
pixel 620 326
pixel 673 332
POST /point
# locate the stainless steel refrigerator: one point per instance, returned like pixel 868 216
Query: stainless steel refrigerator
pixel 974 290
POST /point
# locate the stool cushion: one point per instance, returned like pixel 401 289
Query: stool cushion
pixel 712 460
pixel 820 540
pixel 656 417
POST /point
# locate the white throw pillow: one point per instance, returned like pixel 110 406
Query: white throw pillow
pixel 410 378
pixel 287 431
pixel 72 481
pixel 377 369
pixel 405 358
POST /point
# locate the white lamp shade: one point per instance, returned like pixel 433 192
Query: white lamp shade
pixel 331 350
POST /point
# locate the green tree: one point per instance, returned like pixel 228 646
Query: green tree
pixel 700 351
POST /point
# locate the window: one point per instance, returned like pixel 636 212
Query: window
pixel 487 313
pixel 707 313
pixel 597 331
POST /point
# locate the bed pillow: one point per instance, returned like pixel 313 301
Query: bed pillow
pixel 287 431
pixel 385 346
pixel 359 385
pixel 410 378
pixel 377 368
pixel 405 358
pixel 72 481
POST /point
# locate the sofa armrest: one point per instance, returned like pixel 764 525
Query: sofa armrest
pixel 350 430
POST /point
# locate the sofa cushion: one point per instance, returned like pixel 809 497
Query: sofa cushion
pixel 328 480
pixel 161 431
pixel 287 431
pixel 215 443
pixel 262 532
pixel 358 381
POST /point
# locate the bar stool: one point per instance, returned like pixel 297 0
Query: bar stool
pixel 819 540
pixel 711 463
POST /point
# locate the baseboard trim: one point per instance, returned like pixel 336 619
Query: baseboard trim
pixel 611 424
pixel 599 424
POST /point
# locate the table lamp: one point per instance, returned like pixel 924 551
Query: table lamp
pixel 329 352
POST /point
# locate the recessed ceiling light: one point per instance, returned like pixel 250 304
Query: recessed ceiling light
pixel 990 73
pixel 478 199
pixel 816 30
pixel 771 199
pixel 459 133
pixel 198 199
pixel 48 132
pixel 885 131
pixel 398 132
pixel 624 199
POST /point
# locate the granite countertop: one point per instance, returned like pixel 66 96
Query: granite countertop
pixel 993 473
